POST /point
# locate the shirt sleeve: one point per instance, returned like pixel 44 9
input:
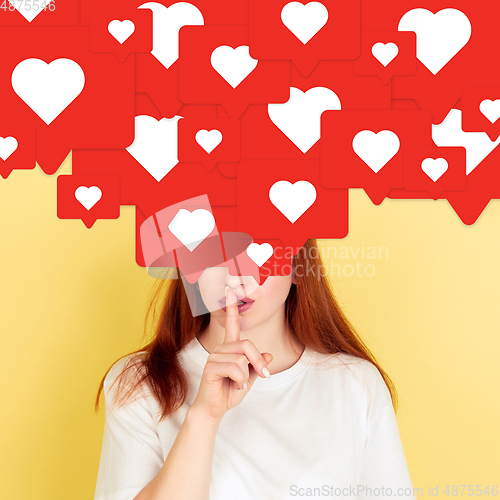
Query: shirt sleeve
pixel 384 463
pixel 131 454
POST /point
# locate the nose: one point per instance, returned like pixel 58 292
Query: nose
pixel 236 283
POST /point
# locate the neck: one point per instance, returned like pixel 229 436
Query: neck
pixel 273 336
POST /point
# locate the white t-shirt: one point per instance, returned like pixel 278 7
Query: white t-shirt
pixel 314 430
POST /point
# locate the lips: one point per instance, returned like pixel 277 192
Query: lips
pixel 241 299
pixel 244 303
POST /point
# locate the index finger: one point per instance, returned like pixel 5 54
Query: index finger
pixel 232 330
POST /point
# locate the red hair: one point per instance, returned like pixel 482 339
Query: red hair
pixel 311 311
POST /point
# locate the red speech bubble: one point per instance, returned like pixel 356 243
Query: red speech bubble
pixel 481 111
pixel 482 159
pixel 284 200
pixel 209 141
pixel 215 67
pixel 157 72
pixel 39 13
pixel 88 197
pixel 292 131
pixel 17 148
pixel 121 31
pixel 387 53
pixel 370 143
pixel 453 43
pixel 434 169
pixel 73 97
pixel 151 172
pixel 272 258
pixel 304 33
pixel 189 229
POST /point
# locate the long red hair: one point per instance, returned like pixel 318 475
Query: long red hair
pixel 311 312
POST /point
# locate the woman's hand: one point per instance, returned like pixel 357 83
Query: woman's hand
pixel 231 368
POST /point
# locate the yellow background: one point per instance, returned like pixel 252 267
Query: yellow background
pixel 73 300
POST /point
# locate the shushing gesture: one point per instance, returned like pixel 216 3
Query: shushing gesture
pixel 231 368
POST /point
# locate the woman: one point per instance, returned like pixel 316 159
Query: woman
pixel 272 397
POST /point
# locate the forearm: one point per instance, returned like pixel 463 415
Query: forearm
pixel 186 473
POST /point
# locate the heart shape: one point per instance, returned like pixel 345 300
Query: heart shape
pixel 88 196
pixel 48 89
pixel 292 200
pixel 7 146
pixel 260 254
pixel 121 30
pixel 300 117
pixel 208 140
pixel 384 53
pixel 490 109
pixel 304 21
pixel 191 228
pixel 167 21
pixel 234 65
pixel 155 144
pixel 440 36
pixel 477 144
pixel 434 168
pixel 376 149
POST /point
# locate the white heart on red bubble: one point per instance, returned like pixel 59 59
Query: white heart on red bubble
pixel 260 254
pixel 304 21
pixel 434 168
pixel 155 144
pixel 292 200
pixel 48 89
pixel 300 117
pixel 376 149
pixel 440 36
pixel 7 146
pixel 192 228
pixel 490 109
pixel 208 139
pixel 167 21
pixel 121 30
pixel 385 53
pixel 88 196
pixel 234 65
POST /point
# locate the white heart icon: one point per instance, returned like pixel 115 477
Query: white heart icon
pixel 234 65
pixel 292 200
pixel 260 254
pixel 440 36
pixel 155 144
pixel 208 140
pixel 490 109
pixel 48 89
pixel 300 117
pixel 477 144
pixel 191 228
pixel 88 196
pixel 121 30
pixel 304 21
pixel 385 52
pixel 376 149
pixel 434 168
pixel 31 13
pixel 167 21
pixel 7 146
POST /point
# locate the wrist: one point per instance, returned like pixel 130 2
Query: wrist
pixel 199 417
